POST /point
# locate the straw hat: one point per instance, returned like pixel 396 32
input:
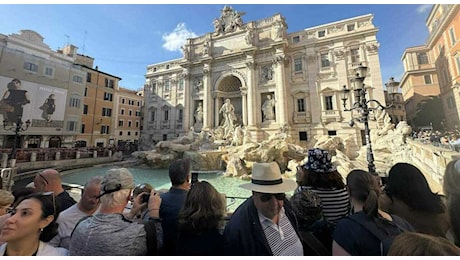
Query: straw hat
pixel 266 178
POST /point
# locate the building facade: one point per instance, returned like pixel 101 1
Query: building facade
pixel 434 69
pixel 273 79
pixel 55 90
pixel 129 104
pixel 397 112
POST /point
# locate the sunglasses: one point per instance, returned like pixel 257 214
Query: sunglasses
pixel 43 177
pixel 13 211
pixel 264 197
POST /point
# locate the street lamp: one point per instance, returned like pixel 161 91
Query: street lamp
pixel 364 106
pixel 17 128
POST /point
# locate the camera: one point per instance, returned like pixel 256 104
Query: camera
pixel 145 197
pixel 194 177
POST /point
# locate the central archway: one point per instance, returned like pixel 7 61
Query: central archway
pixel 229 86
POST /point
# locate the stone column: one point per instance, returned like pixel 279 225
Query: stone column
pixel 245 110
pixel 33 157
pixel 207 106
pixel 280 92
pixel 58 156
pixel 4 160
pixel 251 100
pixel 216 109
pixel 188 115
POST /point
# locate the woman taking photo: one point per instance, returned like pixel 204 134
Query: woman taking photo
pixel 31 224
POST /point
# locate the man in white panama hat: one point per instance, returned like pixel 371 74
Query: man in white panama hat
pixel 264 224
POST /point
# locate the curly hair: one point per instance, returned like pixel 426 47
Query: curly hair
pixel 204 209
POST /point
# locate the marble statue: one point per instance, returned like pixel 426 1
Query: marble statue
pixel 268 109
pixel 228 112
pixel 199 116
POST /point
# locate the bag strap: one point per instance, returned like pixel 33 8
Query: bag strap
pixel 316 245
pixel 365 222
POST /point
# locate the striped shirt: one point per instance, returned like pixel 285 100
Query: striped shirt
pixel 282 238
pixel 336 202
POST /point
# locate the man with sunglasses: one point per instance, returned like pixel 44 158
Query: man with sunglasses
pixel 50 180
pixel 264 224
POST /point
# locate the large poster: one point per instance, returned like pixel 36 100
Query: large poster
pixel 41 104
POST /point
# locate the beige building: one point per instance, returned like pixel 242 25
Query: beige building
pixel 434 69
pixel 302 71
pixel 397 112
pixel 55 89
pixel 129 104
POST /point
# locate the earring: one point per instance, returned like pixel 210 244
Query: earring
pixel 41 229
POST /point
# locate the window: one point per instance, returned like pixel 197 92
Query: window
pixel 457 60
pixel 130 112
pixel 86 92
pixel 129 132
pixel 152 116
pixel 296 39
pixel 122 111
pixel 138 103
pixel 136 133
pixel 303 136
pixel 49 71
pixel 106 111
pixel 120 133
pixel 88 77
pixel 130 123
pixel 109 83
pixel 181 87
pixel 105 129
pixel 166 86
pixel 300 105
pixel 325 60
pixel 108 96
pixel 350 27
pixel 74 102
pixel 331 133
pixel 85 109
pixel 77 79
pixel 422 58
pixel 297 64
pixel 181 114
pixel 120 122
pixel 427 79
pixel 138 113
pixel 82 128
pixel 31 67
pixel 137 124
pixel 354 55
pixel 452 36
pixel 122 100
pixel 321 33
pixel 71 126
pixel 166 115
pixel 328 102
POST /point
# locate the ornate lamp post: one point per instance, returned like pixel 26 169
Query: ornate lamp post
pixel 18 127
pixel 364 106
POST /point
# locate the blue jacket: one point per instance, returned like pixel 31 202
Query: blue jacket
pixel 243 234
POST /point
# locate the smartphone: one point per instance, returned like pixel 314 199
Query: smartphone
pixel 145 197
pixel 194 177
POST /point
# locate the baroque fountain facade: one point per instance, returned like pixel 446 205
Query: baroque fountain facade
pixel 251 92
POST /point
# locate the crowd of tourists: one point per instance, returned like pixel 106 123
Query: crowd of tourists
pixel 325 215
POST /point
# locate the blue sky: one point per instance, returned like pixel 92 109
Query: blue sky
pixel 124 39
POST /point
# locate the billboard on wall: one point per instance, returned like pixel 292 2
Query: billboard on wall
pixel 43 105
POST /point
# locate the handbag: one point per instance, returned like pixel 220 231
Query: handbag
pixel 5 106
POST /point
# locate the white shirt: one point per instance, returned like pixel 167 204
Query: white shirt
pixel 44 249
pixel 67 220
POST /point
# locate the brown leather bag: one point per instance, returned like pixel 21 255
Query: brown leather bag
pixel 5 106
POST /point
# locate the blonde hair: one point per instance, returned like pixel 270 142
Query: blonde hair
pixel 6 198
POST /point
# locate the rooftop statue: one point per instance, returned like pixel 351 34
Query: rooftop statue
pixel 229 21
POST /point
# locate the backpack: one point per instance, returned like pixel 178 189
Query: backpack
pixel 385 232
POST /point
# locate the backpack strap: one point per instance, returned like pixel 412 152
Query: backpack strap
pixel 371 226
pixel 311 241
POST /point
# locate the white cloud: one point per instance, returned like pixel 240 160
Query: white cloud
pixel 177 38
pixel 421 9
